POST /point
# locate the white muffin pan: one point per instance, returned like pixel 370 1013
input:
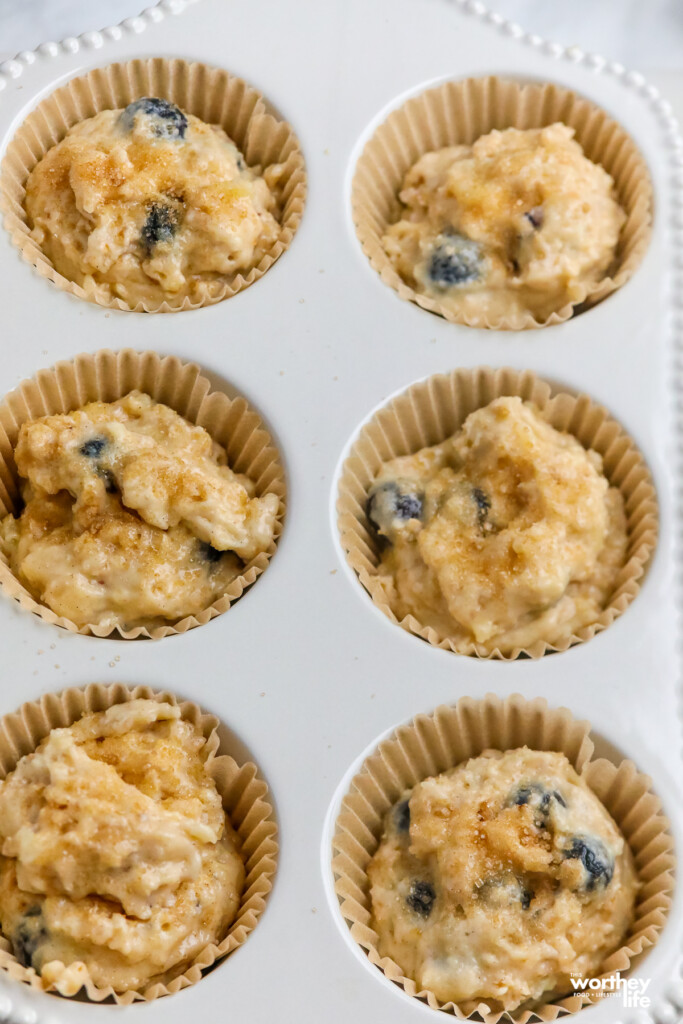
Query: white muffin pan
pixel 304 670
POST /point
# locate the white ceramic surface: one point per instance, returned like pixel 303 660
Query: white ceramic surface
pixel 316 345
pixel 646 36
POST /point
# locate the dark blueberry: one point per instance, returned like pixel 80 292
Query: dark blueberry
pixel 402 816
pixel 160 226
pixel 534 791
pixel 28 936
pixel 168 121
pixel 210 553
pixel 455 260
pixel 597 862
pixel 503 890
pixel 483 504
pixel 527 794
pixel 421 898
pixel 539 798
pixel 535 216
pixel 94 447
pixel 109 481
pixel 408 506
pixel 389 502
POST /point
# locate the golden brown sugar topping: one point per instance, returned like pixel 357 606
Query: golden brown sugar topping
pixel 499 879
pixel 506 533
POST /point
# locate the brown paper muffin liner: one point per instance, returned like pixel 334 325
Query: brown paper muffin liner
pixel 211 94
pixel 432 744
pixel 107 376
pixel 245 800
pixel 432 410
pixel 458 113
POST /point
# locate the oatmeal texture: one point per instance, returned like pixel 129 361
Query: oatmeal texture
pixel 117 860
pixel 519 222
pixel 152 204
pixel 499 879
pixel 131 516
pixel 506 534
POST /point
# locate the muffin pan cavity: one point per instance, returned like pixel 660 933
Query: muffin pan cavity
pixel 245 800
pixel 107 376
pixel 432 743
pixel 211 94
pixel 428 413
pixel 460 112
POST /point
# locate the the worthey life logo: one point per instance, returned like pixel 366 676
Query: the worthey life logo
pixel 633 990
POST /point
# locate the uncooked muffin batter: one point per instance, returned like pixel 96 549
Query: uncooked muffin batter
pixel 505 534
pixel 520 221
pixel 499 879
pixel 151 203
pixel 131 515
pixel 117 860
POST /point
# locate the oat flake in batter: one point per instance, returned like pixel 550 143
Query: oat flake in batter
pixel 117 860
pixel 499 879
pixel 520 221
pixel 506 534
pixel 131 515
pixel 152 204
